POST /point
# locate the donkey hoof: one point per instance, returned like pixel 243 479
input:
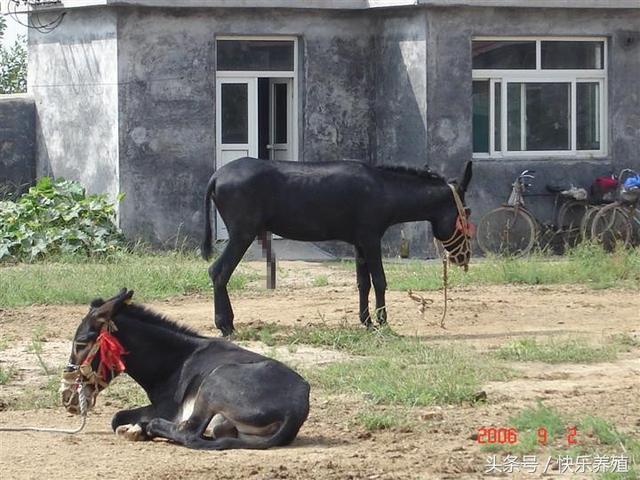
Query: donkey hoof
pixel 228 333
pixel 133 433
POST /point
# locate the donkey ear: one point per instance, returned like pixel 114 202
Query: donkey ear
pixel 111 307
pixel 466 176
pixel 123 298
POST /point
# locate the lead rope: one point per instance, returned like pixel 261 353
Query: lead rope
pixel 463 248
pixel 445 281
pixel 82 400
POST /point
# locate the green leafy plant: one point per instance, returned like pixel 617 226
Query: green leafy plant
pixel 13 64
pixel 57 217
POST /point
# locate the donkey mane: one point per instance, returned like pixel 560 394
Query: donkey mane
pixel 145 315
pixel 419 172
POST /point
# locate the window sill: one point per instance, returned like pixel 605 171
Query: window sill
pixel 515 156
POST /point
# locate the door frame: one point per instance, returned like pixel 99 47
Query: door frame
pixel 293 75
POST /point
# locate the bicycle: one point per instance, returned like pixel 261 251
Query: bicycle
pixel 618 223
pixel 513 230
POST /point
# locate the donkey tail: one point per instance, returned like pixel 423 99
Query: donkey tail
pixel 205 249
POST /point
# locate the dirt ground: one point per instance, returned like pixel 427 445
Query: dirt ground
pixel 330 444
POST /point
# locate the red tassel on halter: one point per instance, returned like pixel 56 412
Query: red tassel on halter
pixel 111 351
pixel 466 228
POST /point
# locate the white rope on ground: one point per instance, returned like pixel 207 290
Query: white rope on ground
pixel 82 401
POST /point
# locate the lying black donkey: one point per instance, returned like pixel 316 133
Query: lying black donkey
pixel 193 382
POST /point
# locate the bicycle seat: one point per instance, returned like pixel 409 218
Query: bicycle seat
pixel 555 188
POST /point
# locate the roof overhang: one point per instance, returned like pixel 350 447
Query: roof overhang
pixel 337 4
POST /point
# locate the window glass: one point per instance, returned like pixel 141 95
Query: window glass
pixel 255 55
pixel 514 116
pixel 280 112
pixel 588 116
pixel 497 111
pixel 504 54
pixel 481 116
pixel 572 55
pixel 545 123
pixel 547 119
pixel 235 113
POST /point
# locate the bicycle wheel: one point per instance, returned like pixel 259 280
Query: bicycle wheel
pixel 611 227
pixel 506 231
pixel 587 221
pixel 570 218
pixel 635 223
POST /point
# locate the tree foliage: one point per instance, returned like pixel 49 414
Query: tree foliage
pixel 13 63
pixel 57 217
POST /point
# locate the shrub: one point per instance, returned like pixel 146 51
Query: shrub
pixel 57 217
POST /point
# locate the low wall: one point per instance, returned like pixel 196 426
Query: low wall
pixel 17 143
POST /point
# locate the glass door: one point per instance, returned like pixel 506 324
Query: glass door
pixel 236 121
pixel 280 115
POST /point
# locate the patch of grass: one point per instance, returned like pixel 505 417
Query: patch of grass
pixel 587 264
pixel 45 395
pixel 535 426
pixel 407 372
pixel 263 332
pixel 625 341
pixel 556 351
pixel 354 340
pixel 595 436
pixel 124 392
pixel 373 420
pixel 321 281
pixel 69 280
pixel 391 369
pixel 6 374
pixel 36 348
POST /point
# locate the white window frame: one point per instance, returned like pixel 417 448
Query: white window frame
pixel 538 75
pixel 270 74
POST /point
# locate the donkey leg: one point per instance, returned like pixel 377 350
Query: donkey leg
pixel 364 287
pixel 220 273
pixel 131 424
pixel 182 433
pixel 373 257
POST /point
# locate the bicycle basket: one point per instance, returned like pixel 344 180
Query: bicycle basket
pixel 630 191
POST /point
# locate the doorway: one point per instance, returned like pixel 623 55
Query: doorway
pixel 256 101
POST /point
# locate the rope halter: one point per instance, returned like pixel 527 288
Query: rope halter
pixel 460 254
pixel 82 380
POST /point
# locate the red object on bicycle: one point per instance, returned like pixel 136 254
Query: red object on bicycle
pixel 603 188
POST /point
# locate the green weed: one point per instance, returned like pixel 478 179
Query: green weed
pixel 124 392
pixel 556 351
pixel 586 264
pixel 373 420
pixel 407 372
pixel 321 281
pixel 6 374
pixel 152 276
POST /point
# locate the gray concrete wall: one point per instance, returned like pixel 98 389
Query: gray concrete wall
pixel 17 143
pixel 73 78
pixel 167 103
pixel 137 114
pixel 449 116
pixel 400 94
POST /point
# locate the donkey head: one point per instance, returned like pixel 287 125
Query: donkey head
pixel 96 354
pixel 453 227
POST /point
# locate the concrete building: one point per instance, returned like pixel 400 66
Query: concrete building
pixel 148 97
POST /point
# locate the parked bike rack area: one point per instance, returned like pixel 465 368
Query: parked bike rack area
pixel 609 215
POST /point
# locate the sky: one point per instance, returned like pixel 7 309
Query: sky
pixel 13 28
